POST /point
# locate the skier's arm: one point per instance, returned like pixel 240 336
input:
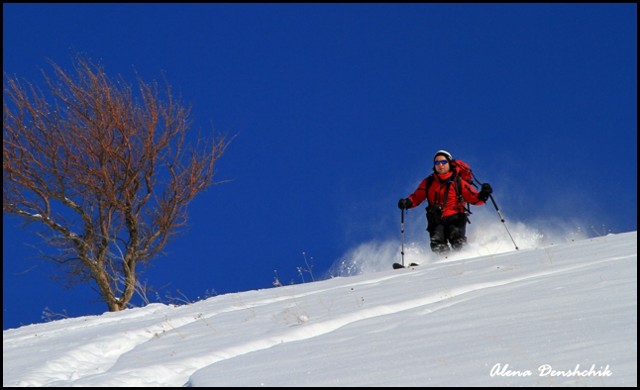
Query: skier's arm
pixel 474 197
pixel 471 195
pixel 420 194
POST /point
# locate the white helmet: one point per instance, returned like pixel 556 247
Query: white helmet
pixel 444 153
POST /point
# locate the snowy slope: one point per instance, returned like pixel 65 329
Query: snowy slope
pixel 559 315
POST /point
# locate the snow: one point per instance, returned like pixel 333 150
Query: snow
pixel 561 314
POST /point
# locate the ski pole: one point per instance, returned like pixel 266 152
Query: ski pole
pixel 502 219
pixel 402 234
pixel 499 213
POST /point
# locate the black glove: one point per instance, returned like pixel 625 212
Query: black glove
pixel 485 191
pixel 405 204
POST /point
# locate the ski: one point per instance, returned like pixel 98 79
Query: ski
pixel 398 265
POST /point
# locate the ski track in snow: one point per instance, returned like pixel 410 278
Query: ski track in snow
pixel 111 353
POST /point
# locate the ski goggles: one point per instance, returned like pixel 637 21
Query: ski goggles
pixel 441 162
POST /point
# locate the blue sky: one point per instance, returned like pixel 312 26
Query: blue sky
pixel 337 111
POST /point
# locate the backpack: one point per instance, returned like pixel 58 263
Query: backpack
pixel 463 171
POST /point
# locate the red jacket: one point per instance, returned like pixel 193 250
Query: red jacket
pixel 437 191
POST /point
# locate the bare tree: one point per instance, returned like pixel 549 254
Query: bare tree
pixel 108 172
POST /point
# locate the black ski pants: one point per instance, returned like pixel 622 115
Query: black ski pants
pixel 449 230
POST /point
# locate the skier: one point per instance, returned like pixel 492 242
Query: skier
pixel 447 197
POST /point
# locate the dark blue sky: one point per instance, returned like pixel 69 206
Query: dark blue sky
pixel 338 110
